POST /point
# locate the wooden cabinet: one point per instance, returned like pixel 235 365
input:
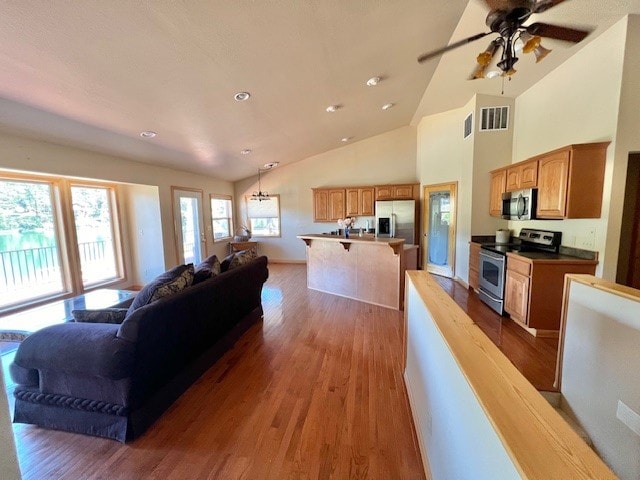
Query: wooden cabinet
pixel 534 288
pixel 516 301
pixel 328 204
pixel 396 192
pixel 360 201
pixel 522 175
pixel 571 180
pixel 474 265
pixel 498 184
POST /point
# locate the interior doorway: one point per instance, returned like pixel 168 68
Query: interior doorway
pixel 628 272
pixel 439 227
pixel 188 224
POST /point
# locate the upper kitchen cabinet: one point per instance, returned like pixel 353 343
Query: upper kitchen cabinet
pixel 328 204
pixel 522 175
pixel 397 192
pixel 360 201
pixel 570 181
pixel 498 184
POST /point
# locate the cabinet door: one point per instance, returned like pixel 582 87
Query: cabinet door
pixel 321 206
pixel 384 193
pixel 474 265
pixel 529 175
pixel 403 192
pixel 513 179
pixel 516 295
pixel 367 201
pixel 353 202
pixel 336 204
pixel 553 172
pixel 498 182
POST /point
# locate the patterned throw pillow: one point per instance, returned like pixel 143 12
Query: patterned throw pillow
pixel 242 258
pixel 168 283
pixel 224 265
pixel 207 269
pixel 103 315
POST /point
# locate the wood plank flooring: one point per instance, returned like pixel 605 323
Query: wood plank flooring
pixel 314 392
pixel 534 357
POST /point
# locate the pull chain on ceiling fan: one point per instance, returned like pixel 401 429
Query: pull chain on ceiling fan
pixel 506 18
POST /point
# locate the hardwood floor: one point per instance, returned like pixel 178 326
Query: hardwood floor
pixel 535 357
pixel 315 392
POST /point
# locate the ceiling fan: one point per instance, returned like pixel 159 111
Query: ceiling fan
pixel 506 18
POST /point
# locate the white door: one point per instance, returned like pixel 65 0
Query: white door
pixel 189 225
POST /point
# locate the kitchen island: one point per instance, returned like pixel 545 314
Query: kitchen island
pixel 366 268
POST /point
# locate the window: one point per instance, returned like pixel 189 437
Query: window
pixel 30 262
pixel 264 216
pixel 93 218
pixel 37 257
pixel 221 217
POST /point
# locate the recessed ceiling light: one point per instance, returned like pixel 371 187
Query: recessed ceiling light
pixel 387 106
pixel 271 165
pixel 148 134
pixel 373 81
pixel 242 96
pixel 333 108
pixel 246 151
pixel 345 139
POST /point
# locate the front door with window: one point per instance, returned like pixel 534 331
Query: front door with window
pixel 440 228
pixel 189 229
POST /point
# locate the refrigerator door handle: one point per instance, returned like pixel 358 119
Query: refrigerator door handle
pixel 393 225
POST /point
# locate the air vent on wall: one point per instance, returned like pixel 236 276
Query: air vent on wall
pixel 494 118
pixel 468 125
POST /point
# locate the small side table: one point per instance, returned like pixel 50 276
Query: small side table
pixel 238 246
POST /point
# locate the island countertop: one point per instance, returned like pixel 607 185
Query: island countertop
pixel 364 268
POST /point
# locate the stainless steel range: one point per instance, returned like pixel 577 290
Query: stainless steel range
pixel 493 262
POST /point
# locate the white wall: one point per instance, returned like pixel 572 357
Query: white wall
pixel 600 367
pixel 444 156
pixel 145 240
pixel 579 103
pixel 386 158
pixel 452 427
pixel 30 155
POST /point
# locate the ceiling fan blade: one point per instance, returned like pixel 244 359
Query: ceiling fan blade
pixel 428 56
pixel 544 5
pixel 557 32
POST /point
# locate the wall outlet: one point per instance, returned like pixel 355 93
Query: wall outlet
pixel 627 416
pixel 587 240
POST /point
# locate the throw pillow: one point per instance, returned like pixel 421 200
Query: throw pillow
pixel 207 269
pixel 242 258
pixel 168 283
pixel 103 315
pixel 224 265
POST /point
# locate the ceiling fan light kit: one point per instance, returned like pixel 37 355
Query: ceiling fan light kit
pixel 506 19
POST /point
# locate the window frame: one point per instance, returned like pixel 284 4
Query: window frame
pixel 248 201
pixel 229 198
pixel 64 227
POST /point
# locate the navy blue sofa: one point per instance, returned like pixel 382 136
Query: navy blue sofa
pixel 115 380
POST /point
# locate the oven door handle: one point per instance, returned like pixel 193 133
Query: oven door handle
pixel 493 256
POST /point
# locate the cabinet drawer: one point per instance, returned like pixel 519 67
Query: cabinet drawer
pixel 523 268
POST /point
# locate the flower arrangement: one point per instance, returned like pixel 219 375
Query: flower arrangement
pixel 347 223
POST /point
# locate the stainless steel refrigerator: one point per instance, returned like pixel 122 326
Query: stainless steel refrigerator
pixel 396 219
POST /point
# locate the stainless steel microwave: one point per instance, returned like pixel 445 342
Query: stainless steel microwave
pixel 519 204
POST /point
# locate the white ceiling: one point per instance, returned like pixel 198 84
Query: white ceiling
pixel 94 74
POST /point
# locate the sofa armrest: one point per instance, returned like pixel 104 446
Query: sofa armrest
pixel 90 349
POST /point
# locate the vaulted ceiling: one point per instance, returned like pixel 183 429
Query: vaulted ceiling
pixel 96 74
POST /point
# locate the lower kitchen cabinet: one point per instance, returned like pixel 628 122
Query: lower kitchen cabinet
pixel 474 265
pixel 534 289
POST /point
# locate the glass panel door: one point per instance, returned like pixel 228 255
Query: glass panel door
pixel 439 228
pixel 189 232
pixel 30 265
pixel 93 219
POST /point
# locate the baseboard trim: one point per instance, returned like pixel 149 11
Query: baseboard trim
pixel 285 261
pixel 462 282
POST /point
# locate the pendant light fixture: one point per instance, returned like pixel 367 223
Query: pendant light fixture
pixel 260 195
